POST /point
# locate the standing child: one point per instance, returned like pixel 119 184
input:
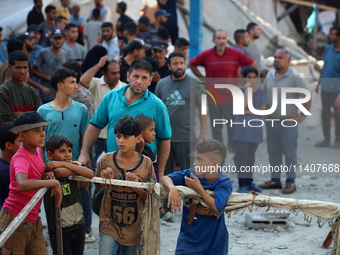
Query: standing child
pixel 26 176
pixel 203 231
pixel 120 221
pixel 148 135
pixel 9 144
pixel 247 138
pixel 59 150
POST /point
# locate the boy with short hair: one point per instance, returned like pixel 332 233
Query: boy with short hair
pixel 203 230
pixel 120 221
pixel 9 145
pixel 59 150
pixel 27 177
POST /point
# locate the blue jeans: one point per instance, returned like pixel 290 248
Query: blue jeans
pixel 282 141
pixel 87 208
pixel 99 147
pixel 109 246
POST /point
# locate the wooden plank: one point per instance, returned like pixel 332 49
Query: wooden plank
pixel 141 185
pixel 58 228
pixel 21 216
pixel 287 12
pixel 315 31
pixel 309 4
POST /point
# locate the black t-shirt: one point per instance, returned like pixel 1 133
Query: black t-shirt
pixel 163 72
pixel 124 68
pixel 4 180
pixel 34 17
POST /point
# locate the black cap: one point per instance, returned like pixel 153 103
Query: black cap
pixel 33 28
pixel 57 32
pixel 24 36
pixel 162 12
pixel 160 45
pixel 28 120
pixel 137 44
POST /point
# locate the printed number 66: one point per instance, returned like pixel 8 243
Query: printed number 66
pixel 127 216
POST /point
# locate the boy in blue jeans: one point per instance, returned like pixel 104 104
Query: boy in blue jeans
pixel 203 231
pixel 59 150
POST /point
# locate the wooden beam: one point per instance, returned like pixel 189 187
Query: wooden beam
pixel 287 12
pixel 309 4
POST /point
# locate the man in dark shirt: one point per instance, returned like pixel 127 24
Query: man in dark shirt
pixel 159 63
pixel 123 19
pixel 35 16
pixel 135 50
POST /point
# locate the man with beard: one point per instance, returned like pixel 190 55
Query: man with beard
pixel 159 63
pixel 35 16
pixel 132 99
pixel 242 40
pixel 282 140
pixel 48 60
pixel 251 50
pixel 220 62
pixel 109 41
pixel 161 17
pixel 181 95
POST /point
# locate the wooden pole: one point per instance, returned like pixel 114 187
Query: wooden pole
pixel 58 228
pixel 21 216
pixel 315 30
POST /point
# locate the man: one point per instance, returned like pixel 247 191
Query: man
pixel 282 140
pixel 48 25
pixel 123 19
pixel 79 21
pixel 34 30
pixel 99 87
pixel 16 96
pixel 48 60
pixel 132 99
pixel 105 13
pixel 135 50
pixel 330 88
pixel 181 96
pixel 28 46
pixel 220 62
pixel 129 31
pixel 242 40
pixel 159 63
pixel 63 9
pixel 182 45
pixel 171 24
pixel 109 41
pixel 35 16
pixel 251 50
pixel 60 22
pixel 161 17
pixel 163 34
pixel 93 29
pixel 142 28
pixel 74 50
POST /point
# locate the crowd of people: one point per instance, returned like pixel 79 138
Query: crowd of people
pixel 117 101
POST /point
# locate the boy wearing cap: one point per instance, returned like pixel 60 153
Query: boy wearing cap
pixel 48 60
pixel 26 178
pixel 135 50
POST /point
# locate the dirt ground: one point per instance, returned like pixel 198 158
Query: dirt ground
pixel 299 238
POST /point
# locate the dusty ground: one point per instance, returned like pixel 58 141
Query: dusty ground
pixel 300 238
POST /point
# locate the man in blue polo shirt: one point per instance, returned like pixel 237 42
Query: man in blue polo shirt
pixel 133 99
pixel 330 88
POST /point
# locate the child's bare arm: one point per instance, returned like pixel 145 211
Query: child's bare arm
pixel 195 184
pixel 133 178
pixel 64 169
pixel 25 184
pixel 173 200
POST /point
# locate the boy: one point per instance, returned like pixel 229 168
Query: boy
pixel 26 176
pixel 59 150
pixel 120 222
pixel 203 231
pixel 9 144
pixel 69 118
